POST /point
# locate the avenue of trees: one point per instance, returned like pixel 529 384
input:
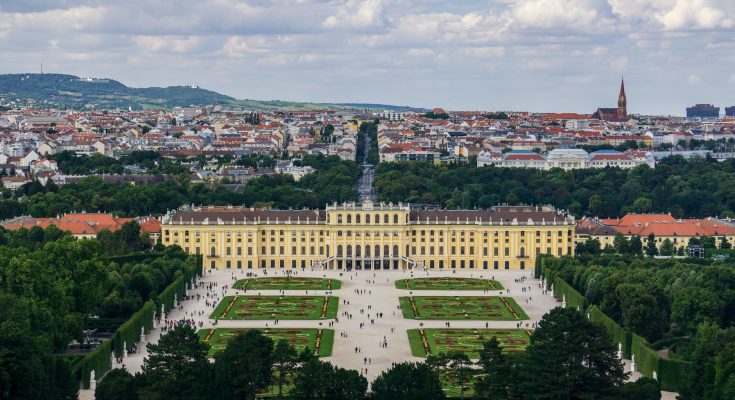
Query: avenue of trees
pixel 53 287
pixel 684 306
pixel 569 358
pixel 334 180
pixel 685 188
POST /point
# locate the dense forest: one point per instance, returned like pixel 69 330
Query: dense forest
pixel 53 287
pixel 334 180
pixel 685 188
pixel 684 306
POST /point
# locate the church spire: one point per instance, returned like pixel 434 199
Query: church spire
pixel 622 101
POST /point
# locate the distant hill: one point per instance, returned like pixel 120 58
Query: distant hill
pixel 69 91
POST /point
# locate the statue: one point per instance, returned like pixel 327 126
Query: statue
pixel 632 363
pixel 92 381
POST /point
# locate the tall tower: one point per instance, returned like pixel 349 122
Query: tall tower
pixel 622 101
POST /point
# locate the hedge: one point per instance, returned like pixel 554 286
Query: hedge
pixel 564 290
pixel 129 332
pixel 178 286
pixel 672 374
pixel 98 360
pixel 616 332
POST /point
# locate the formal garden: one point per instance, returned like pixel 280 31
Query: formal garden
pixel 486 308
pixel 448 283
pixel 276 307
pixel 425 342
pixel 287 283
pixel 319 340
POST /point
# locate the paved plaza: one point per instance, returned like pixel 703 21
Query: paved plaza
pixel 363 294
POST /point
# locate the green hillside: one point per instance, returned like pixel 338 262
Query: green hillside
pixel 69 91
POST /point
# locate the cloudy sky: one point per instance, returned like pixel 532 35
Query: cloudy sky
pixel 536 55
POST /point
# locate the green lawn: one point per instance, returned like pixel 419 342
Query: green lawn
pixel 300 338
pixel 468 341
pixel 448 283
pixel 486 308
pixel 276 307
pixel 288 283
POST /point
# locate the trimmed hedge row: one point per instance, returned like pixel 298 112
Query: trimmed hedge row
pixel 129 332
pixel 100 359
pixel 645 357
pixel 671 374
pixel 618 334
pixel 564 290
pixel 177 288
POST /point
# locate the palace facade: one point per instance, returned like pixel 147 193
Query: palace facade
pixel 367 236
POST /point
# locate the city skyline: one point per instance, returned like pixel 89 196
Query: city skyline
pixel 525 55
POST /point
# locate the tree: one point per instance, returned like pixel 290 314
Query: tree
pixel 321 380
pixel 570 358
pixel 636 245
pixel 245 366
pixel 694 305
pixel 651 249
pixel 724 244
pixel 284 361
pixel 620 243
pixel 176 366
pixel 496 381
pixel 643 309
pixel 642 205
pixel 117 384
pixel 409 381
pixel 643 389
pixel 172 122
pixel 460 368
pixel 667 247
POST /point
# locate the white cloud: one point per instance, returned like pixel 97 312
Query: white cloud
pixel 358 14
pixel 694 79
pixel 314 49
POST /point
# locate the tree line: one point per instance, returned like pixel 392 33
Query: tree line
pixel 684 306
pixel 334 180
pixel 569 358
pixel 684 188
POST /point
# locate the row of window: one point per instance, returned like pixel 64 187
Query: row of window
pixel 303 264
pixel 376 252
pixel 368 220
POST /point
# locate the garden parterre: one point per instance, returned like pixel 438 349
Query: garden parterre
pixel 319 340
pixel 486 308
pixel 276 307
pixel 448 283
pixel 287 283
pixel 469 341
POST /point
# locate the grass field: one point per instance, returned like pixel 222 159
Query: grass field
pixel 299 338
pixel 276 307
pixel 288 283
pixel 448 283
pixel 468 341
pixel 486 308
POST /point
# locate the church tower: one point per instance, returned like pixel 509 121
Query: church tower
pixel 622 102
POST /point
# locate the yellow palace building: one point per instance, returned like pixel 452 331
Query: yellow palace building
pixel 370 236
